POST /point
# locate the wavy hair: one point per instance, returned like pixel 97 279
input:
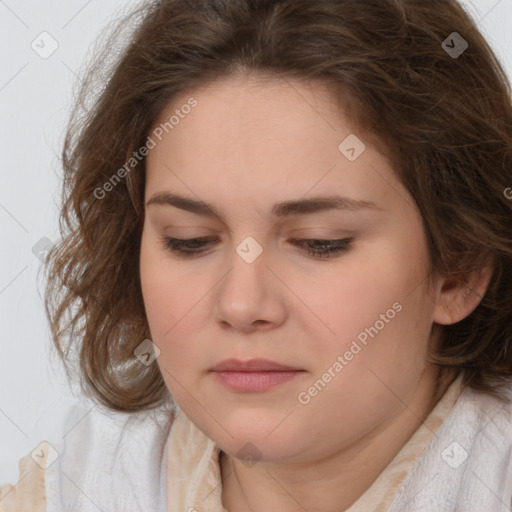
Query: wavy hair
pixel 444 121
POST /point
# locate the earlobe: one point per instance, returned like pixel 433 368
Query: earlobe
pixel 458 297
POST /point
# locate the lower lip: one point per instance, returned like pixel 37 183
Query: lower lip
pixel 255 381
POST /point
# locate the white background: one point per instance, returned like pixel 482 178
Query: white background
pixel 35 97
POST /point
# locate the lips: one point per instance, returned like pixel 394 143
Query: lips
pixel 255 375
pixel 252 365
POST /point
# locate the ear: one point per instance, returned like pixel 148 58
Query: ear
pixel 457 297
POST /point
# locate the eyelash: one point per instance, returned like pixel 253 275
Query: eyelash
pixel 177 245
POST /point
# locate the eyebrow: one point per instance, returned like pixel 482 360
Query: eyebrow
pixel 284 209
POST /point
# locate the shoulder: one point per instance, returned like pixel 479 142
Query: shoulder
pixel 468 463
pixel 484 412
pixel 95 458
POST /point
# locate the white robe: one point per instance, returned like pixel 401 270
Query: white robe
pixel 116 462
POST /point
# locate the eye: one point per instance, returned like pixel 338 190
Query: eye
pixel 312 247
pixel 186 248
pixel 324 248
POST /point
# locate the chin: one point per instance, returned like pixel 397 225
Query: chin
pixel 252 450
pixel 258 438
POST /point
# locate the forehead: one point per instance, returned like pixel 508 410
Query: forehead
pixel 272 138
pixel 237 116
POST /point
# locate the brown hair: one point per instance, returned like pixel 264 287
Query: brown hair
pixel 445 122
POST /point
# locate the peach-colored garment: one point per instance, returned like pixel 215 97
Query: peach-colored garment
pixel 29 494
pixel 194 479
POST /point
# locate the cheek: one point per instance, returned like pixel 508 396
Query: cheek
pixel 166 292
pixel 169 299
pixel 375 307
pixel 162 293
pixel 155 291
pixel 355 295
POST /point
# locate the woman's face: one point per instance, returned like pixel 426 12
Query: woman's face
pixel 354 325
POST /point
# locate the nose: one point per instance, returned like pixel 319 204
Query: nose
pixel 250 297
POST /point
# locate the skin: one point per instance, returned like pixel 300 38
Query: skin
pixel 245 146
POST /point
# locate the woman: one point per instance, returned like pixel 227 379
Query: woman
pixel 288 243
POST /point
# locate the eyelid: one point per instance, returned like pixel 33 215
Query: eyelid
pixel 325 232
pixel 322 233
pixel 336 247
pixel 191 232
